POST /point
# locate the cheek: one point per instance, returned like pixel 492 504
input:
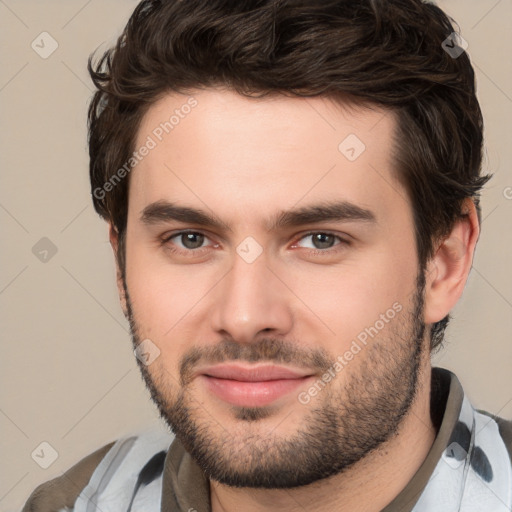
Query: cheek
pixel 164 295
pixel 349 298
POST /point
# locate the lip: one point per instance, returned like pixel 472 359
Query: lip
pixel 253 386
pixel 252 373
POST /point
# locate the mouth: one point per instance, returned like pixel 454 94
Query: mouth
pixel 254 386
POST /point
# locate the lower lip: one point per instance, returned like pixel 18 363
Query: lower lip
pixel 251 394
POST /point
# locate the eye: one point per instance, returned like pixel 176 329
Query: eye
pixel 185 242
pixel 322 241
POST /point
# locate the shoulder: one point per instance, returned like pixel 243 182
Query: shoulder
pixel 113 470
pixel 62 491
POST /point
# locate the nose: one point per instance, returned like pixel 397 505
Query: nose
pixel 251 299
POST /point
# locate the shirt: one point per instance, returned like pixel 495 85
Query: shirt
pixel 468 468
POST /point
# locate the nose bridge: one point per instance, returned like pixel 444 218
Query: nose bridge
pixel 250 299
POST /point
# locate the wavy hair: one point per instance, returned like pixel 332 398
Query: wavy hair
pixel 387 53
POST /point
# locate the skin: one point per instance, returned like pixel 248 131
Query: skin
pixel 243 160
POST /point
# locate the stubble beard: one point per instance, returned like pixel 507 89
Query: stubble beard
pixel 352 416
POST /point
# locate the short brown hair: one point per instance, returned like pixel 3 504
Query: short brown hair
pixel 383 52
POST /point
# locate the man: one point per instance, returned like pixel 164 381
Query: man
pixel 292 197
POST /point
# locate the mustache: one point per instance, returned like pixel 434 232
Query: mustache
pixel 270 350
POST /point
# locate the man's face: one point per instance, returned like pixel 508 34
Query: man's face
pixel 336 299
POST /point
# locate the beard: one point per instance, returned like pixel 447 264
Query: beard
pixel 344 423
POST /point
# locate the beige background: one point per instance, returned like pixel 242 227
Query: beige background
pixel 68 375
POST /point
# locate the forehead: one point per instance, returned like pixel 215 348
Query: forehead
pixel 234 154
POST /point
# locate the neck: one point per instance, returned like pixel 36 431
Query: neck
pixel 369 485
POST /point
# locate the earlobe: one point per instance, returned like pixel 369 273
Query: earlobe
pixel 448 270
pixel 114 242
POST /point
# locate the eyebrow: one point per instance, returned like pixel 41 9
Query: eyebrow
pixel 339 211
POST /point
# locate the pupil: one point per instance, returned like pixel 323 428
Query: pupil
pixel 320 242
pixel 188 240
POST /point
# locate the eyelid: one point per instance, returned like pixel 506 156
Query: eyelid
pixel 168 236
pixel 344 240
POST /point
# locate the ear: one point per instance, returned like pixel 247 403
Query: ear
pixel 114 242
pixel 448 270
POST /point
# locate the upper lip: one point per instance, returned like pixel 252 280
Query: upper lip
pixel 252 374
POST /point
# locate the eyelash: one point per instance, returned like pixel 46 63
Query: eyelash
pixel 195 252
